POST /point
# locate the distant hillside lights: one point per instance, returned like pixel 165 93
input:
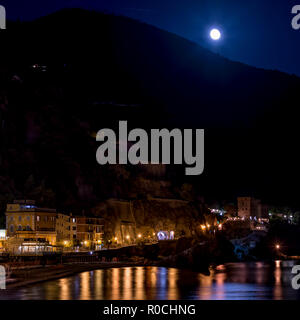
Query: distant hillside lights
pixel 2 17
pixel 296 18
pixel 184 147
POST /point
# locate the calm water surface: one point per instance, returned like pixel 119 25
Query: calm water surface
pixel 251 280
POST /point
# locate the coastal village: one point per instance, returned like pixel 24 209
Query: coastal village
pixel 34 230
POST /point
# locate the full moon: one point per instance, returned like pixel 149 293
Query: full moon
pixel 215 34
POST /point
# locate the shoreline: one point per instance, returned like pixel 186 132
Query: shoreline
pixel 54 272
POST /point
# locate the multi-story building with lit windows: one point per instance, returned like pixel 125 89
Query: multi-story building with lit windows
pixel 24 220
pixel 90 231
pixel 34 229
pixel 66 229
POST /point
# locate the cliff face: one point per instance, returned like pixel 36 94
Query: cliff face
pixel 167 214
pixel 148 216
pixel 119 220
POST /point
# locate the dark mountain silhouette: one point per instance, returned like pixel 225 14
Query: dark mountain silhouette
pixel 117 57
pixel 65 76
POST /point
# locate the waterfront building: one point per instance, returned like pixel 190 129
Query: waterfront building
pixel 90 231
pixel 25 220
pixel 66 229
pixel 32 229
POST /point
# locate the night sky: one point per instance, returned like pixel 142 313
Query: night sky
pixel 256 32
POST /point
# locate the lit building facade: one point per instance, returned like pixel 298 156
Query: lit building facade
pixel 30 228
pixel 66 229
pixel 25 220
pixel 90 231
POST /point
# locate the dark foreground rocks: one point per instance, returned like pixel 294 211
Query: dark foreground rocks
pixel 187 253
